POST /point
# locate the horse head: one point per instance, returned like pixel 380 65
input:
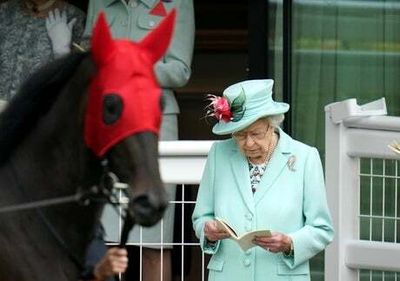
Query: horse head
pixel 55 133
pixel 123 114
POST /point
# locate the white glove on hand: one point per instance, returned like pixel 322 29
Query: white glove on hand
pixel 60 32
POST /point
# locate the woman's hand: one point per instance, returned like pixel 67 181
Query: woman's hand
pixel 277 242
pixel 115 261
pixel 60 31
pixel 213 233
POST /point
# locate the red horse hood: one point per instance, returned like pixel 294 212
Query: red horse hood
pixel 124 97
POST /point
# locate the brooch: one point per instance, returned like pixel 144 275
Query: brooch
pixel 290 163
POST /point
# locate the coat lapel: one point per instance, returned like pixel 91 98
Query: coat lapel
pixel 277 164
pixel 240 170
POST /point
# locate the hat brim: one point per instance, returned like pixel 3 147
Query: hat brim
pixel 224 128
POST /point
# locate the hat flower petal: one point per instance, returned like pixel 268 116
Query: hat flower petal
pixel 222 109
pixel 219 108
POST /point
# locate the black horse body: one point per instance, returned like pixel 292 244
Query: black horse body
pixel 43 155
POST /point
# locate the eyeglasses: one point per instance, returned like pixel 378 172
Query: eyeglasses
pixel 256 135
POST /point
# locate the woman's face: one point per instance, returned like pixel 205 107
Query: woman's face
pixel 254 140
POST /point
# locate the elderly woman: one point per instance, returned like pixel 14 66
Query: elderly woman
pixel 260 178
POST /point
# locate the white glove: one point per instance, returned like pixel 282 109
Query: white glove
pixel 60 32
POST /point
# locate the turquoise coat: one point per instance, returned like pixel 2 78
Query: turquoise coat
pixel 134 21
pixel 290 199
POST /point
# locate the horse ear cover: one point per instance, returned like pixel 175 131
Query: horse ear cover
pixel 158 40
pixel 117 61
pixel 102 42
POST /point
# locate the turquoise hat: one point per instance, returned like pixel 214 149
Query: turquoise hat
pixel 249 101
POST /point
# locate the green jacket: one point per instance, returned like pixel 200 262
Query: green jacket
pixel 289 199
pixel 135 20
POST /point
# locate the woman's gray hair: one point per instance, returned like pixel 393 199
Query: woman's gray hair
pixel 275 120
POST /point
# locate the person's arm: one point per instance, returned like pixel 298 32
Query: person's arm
pixel 102 263
pixel 114 262
pixel 317 232
pixel 174 69
pixel 204 209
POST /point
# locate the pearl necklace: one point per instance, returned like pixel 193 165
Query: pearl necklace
pixel 271 147
pixel 261 167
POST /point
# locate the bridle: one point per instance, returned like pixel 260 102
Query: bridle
pixel 110 182
pixel 102 193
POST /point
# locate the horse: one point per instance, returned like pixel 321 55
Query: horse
pixel 55 142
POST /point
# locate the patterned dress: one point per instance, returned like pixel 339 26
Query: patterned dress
pixel 256 172
pixel 25 45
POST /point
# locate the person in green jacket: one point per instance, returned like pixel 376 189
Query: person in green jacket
pixel 134 19
pixel 260 179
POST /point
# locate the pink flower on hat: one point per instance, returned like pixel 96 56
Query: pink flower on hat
pixel 219 108
pixel 223 109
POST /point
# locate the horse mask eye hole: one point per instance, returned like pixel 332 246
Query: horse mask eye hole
pixel 112 108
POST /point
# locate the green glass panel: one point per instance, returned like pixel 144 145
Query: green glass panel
pixel 364 275
pixel 365 224
pixel 377 229
pixel 377 207
pixel 377 276
pixel 365 194
pixel 390 197
pixel 398 231
pixel 398 167
pixel 377 167
pixel 390 168
pixel 365 166
pixel 389 276
pixel 389 232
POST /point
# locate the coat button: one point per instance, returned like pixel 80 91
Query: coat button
pixel 249 216
pixel 246 262
pixel 248 252
pixel 151 23
pixel 124 23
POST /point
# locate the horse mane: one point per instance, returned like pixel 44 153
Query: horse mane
pixel 34 99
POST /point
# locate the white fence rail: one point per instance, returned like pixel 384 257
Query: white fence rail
pixel 182 162
pixel 360 198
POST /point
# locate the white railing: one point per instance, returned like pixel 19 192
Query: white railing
pixel 182 162
pixel 358 135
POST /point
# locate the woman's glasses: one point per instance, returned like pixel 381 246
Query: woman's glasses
pixel 255 135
